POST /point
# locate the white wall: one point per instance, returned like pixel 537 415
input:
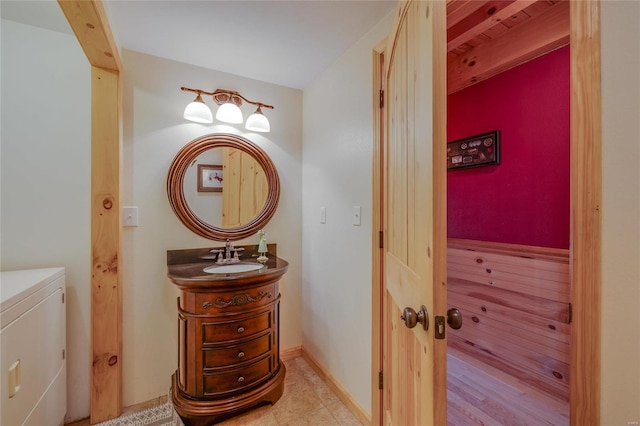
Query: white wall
pixel 206 205
pixel 337 171
pixel 154 131
pixel 620 212
pixel 46 176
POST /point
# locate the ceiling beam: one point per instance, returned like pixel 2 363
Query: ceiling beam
pixel 89 22
pixel 482 19
pixel 542 34
pixel 457 10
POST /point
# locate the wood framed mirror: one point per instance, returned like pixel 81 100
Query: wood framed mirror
pixel 244 173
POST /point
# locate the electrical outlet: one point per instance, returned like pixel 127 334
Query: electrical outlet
pixel 323 215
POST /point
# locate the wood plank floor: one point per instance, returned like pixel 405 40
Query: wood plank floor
pixel 479 394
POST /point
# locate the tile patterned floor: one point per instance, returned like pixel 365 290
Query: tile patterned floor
pixel 306 401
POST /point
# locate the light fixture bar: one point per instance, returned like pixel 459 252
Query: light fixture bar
pixel 231 96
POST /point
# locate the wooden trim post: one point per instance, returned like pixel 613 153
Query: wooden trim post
pixel 439 63
pixel 89 22
pixel 106 243
pixel 377 235
pixel 586 196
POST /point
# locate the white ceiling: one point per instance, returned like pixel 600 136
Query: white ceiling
pixel 282 42
pixel 42 14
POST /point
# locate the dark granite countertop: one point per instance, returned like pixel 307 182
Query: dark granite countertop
pixel 185 268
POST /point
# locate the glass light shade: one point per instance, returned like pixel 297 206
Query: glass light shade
pixel 229 113
pixel 198 111
pixel 257 122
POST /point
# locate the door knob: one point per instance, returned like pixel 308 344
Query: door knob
pixel 411 317
pixel 454 318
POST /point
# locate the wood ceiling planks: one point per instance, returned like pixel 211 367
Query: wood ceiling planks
pixel 485 38
pixel 488 16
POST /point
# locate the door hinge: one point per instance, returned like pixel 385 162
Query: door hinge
pixel 570 313
pixel 381 98
pixel 380 239
pixel 64 354
pixel 62 297
pixel 380 380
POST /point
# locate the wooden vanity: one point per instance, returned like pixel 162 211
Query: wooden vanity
pixel 228 355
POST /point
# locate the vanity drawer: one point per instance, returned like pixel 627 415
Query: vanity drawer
pixel 213 358
pixel 223 331
pixel 240 301
pixel 233 380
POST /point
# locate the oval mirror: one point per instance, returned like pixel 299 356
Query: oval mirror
pixel 222 186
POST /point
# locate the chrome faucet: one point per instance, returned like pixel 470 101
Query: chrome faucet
pixel 227 254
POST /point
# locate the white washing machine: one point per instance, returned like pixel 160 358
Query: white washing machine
pixel 33 347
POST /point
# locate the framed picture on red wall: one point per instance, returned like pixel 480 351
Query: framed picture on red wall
pixel 474 151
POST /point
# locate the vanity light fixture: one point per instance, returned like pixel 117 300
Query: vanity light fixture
pixel 228 111
pixel 198 111
pixel 257 122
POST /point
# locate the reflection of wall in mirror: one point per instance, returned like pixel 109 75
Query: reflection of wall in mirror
pixel 245 188
pixel 206 205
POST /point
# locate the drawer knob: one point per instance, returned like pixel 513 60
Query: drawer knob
pixel 240 354
pixel 241 329
pixel 240 379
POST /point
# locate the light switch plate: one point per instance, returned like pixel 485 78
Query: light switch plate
pixel 323 215
pixel 356 215
pixel 130 216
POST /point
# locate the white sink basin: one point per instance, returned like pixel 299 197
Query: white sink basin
pixel 233 268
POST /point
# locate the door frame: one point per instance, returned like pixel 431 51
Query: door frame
pixel 585 239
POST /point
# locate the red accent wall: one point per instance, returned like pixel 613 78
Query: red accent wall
pixel 524 199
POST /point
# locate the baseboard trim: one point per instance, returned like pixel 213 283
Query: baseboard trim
pixel 336 387
pixel 144 405
pixel 291 353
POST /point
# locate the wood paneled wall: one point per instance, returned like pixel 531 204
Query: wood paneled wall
pixel 515 305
